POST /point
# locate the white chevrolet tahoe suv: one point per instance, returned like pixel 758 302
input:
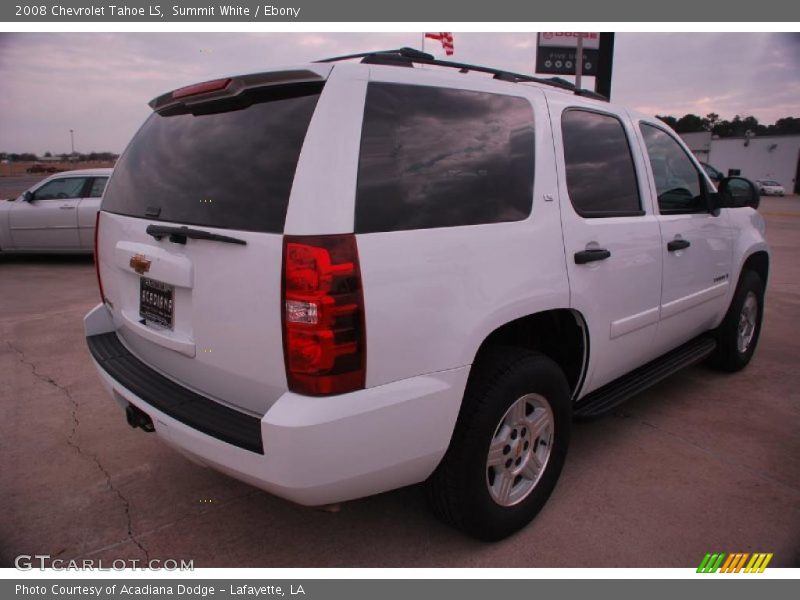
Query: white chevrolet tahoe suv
pixel 338 279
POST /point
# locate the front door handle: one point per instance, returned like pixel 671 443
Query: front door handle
pixel 678 245
pixel 591 255
pixel 67 207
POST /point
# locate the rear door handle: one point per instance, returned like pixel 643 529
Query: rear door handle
pixel 67 207
pixel 678 245
pixel 591 255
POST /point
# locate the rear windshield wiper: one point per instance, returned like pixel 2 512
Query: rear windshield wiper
pixel 178 235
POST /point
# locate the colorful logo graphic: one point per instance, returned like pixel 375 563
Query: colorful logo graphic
pixel 735 563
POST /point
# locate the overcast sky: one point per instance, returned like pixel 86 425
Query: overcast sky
pixel 99 83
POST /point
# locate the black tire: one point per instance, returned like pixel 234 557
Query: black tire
pixel 728 356
pixel 458 491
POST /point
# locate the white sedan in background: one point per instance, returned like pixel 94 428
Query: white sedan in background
pixel 56 215
pixel 767 187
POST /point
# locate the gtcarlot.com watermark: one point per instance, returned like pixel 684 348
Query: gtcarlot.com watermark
pixel 28 562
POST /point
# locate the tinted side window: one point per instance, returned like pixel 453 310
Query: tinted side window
pixel 60 189
pixel 98 185
pixel 679 185
pixel 435 157
pixel 601 178
pixel 712 172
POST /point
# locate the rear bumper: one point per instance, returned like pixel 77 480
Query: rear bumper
pixel 312 450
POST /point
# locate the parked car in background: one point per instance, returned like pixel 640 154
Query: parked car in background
pixel 40 168
pixel 715 175
pixel 769 187
pixel 57 214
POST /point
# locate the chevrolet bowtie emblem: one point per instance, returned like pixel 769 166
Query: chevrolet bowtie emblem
pixel 140 264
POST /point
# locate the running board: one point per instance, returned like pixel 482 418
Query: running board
pixel 602 400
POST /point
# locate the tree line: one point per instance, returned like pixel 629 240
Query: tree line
pixel 30 157
pixel 736 127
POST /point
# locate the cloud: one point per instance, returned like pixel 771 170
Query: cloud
pixel 99 83
pixel 727 73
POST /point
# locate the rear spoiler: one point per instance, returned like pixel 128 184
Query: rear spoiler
pixel 183 99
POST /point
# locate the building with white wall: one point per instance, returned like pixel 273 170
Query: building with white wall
pixel 759 157
pixel 699 143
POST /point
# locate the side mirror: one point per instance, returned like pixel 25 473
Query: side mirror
pixel 27 196
pixel 736 192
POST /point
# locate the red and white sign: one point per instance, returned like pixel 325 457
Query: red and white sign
pixel 591 41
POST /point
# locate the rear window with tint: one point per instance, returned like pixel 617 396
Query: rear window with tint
pixel 435 157
pixel 231 169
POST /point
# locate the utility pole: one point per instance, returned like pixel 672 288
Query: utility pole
pixel 72 142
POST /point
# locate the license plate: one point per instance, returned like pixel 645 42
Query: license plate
pixel 156 302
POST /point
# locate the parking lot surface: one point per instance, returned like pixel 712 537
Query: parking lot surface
pixel 11 187
pixel 703 462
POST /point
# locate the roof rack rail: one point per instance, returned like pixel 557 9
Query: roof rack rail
pixel 406 57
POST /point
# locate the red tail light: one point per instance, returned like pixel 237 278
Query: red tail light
pixel 324 340
pixel 97 257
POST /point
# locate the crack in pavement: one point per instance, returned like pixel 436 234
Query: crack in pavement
pixel 71 442
pixel 174 522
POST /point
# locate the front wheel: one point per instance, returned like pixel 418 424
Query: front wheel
pixel 737 336
pixel 508 447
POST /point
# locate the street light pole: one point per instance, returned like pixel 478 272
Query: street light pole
pixel 72 141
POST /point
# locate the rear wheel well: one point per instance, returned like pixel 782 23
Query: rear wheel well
pixel 758 262
pixel 559 334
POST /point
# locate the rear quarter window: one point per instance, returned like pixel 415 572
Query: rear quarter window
pixel 435 157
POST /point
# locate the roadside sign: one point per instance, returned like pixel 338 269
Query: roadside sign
pixel 555 53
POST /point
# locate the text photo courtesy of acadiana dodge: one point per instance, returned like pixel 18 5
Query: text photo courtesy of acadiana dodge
pixel 252 591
